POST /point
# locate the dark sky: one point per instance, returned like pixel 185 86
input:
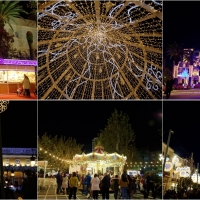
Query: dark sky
pixel 19 124
pixel 183 118
pixel 181 24
pixel 83 120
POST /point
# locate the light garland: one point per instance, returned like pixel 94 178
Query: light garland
pixel 116 54
pixel 183 171
pixel 194 178
pixel 3 105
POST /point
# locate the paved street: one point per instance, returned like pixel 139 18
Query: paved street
pixel 50 193
pixel 184 94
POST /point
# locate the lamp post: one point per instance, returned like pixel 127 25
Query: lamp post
pixel 168 141
pixel 3 107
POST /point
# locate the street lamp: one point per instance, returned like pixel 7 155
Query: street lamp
pixel 169 136
pixel 3 107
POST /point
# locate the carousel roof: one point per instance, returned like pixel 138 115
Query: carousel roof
pixel 100 49
pixel 95 157
pixel 99 156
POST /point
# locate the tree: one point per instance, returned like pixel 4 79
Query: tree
pixel 57 150
pixel 8 11
pixel 175 51
pixel 33 4
pixel 118 135
pixel 5 43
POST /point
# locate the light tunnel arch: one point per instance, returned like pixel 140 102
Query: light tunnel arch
pixel 100 50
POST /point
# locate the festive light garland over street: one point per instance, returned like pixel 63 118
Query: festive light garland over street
pixel 100 50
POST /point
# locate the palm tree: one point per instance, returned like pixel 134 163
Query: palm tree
pixel 175 51
pixel 9 10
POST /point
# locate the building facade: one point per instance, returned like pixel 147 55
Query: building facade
pixel 15 163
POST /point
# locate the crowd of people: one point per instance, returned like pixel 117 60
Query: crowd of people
pixel 123 187
pixel 190 194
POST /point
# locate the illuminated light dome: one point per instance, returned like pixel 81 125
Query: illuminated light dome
pixel 100 49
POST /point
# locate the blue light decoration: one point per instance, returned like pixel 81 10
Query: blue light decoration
pixel 184 73
pixel 114 55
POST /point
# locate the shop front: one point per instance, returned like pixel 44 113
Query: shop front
pixel 12 74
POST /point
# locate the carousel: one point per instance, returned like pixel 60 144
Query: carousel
pixel 98 162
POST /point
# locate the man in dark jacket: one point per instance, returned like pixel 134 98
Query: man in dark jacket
pixel 59 182
pixel 169 84
pixel 105 186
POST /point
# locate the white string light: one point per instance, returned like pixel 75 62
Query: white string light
pixel 113 55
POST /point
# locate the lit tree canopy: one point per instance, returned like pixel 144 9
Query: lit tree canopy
pixel 57 151
pixel 118 135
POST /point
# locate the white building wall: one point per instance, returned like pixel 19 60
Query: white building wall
pixel 20 41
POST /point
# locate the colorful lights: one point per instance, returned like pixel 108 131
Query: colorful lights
pixel 18 62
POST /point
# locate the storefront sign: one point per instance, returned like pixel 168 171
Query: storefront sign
pixel 17 62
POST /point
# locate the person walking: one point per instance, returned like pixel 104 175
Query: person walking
pixel 169 84
pixel 59 182
pixel 105 186
pixel 123 182
pixel 115 186
pixel 26 85
pixel 95 186
pixel 65 183
pixel 73 184
pixel 150 184
pixel 88 179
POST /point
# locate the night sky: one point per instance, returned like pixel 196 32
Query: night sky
pixel 83 120
pixel 183 118
pixel 181 25
pixel 19 124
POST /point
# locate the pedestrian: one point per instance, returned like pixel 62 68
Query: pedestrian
pixel 123 182
pixel 88 179
pixel 73 184
pixel 131 186
pixel 95 186
pixel 169 84
pixel 105 186
pixel 143 186
pixel 65 183
pixel 26 85
pixel 150 184
pixel 59 182
pixel 115 186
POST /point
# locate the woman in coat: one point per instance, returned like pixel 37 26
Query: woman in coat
pixel 95 186
pixel 26 85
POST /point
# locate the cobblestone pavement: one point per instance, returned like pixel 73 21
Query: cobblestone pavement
pixel 50 193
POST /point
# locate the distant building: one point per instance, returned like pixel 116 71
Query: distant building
pixel 175 168
pixel 188 70
pixel 149 161
pixel 16 161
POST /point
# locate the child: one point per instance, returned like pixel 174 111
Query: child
pixel 19 91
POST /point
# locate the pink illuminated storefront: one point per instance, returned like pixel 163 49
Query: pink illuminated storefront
pixel 12 74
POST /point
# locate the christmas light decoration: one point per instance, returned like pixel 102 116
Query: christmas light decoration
pixel 168 166
pixel 18 62
pixel 194 178
pixel 184 73
pixel 100 50
pixel 3 105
